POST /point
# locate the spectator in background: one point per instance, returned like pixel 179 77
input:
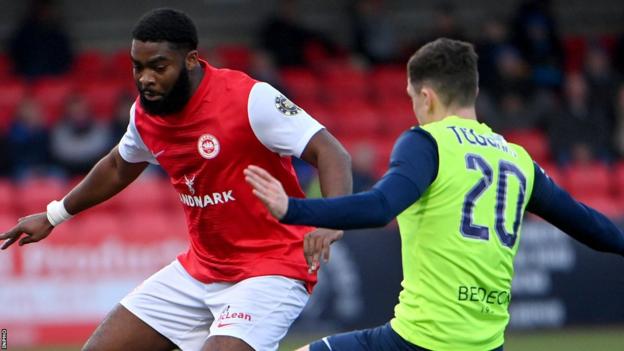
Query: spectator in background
pixel 28 142
pixel 78 141
pixel 581 127
pixel 263 69
pixel 363 161
pixel 119 124
pixel 286 39
pixel 374 34
pixel 493 43
pixel 40 46
pixel 600 76
pixel 618 55
pixel 535 34
pixel 512 73
pixel 619 120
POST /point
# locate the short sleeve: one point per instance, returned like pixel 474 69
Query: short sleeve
pixel 280 125
pixel 131 146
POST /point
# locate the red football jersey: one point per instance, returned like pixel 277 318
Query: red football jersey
pixel 204 150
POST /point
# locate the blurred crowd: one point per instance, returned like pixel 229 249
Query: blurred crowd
pixel 562 95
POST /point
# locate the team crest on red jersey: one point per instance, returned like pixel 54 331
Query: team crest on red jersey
pixel 208 146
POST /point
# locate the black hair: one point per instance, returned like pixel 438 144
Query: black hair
pixel 167 25
pixel 450 66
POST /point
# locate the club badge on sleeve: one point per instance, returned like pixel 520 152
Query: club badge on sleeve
pixel 286 106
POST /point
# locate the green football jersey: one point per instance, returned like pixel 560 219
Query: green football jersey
pixel 459 240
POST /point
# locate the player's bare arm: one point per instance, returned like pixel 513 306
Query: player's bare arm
pixel 333 163
pixel 108 177
pixel 334 168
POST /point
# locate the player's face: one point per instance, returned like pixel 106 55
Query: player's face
pixel 161 76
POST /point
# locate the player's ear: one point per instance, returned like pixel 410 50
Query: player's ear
pixel 427 97
pixel 192 59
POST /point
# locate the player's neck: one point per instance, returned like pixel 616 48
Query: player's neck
pixel 196 76
pixel 461 112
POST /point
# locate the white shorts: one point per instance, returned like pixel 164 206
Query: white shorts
pixel 257 310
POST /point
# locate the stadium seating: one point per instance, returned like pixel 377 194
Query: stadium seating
pixel 147 193
pixel 389 82
pixel 5 67
pixel 7 196
pixel 11 94
pixel 35 193
pixel 589 180
pixel 617 177
pixel 237 57
pixel 356 117
pixel 89 65
pixel 120 67
pixel 343 82
pixel 52 95
pixel 103 97
pixel 301 84
pixel 534 141
pixel 604 203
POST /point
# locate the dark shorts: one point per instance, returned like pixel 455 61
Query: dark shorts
pixel 382 338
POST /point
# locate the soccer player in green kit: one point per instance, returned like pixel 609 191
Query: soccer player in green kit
pixel 460 192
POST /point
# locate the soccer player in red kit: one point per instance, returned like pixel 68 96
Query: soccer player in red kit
pixel 244 278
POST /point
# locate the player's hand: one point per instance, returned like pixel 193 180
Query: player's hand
pixel 36 227
pixel 268 189
pixel 316 245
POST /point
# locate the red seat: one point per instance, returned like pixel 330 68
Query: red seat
pixel 588 180
pixel 344 83
pixel 358 118
pixel 6 67
pixel 605 204
pixel 301 84
pixel 154 224
pixel 574 48
pixel 389 82
pixel 103 97
pixel 120 66
pixel 397 114
pixel 52 94
pixel 12 92
pixel 7 221
pixel 555 174
pixel 384 147
pixel 90 65
pixel 7 196
pixel 236 57
pixel 534 142
pixel 97 227
pixel 146 193
pixel 618 179
pixel 32 195
pixel 323 114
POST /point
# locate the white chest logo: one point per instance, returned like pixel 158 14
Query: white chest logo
pixel 208 146
pixel 189 183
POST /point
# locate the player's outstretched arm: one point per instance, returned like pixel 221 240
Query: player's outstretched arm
pixel 581 222
pixel 108 177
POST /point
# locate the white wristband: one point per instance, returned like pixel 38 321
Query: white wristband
pixel 57 213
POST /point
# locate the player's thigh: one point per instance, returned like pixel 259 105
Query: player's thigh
pixel 172 303
pixel 257 311
pixel 122 330
pixel 226 343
